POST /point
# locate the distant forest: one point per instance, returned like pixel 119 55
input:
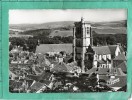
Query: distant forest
pixel 43 37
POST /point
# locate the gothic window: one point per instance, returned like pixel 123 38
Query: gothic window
pixel 78 32
pixel 79 43
pixel 88 32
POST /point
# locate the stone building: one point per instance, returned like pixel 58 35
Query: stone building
pixel 82 38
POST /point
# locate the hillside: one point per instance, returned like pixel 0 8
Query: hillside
pixel 64 28
pixel 50 25
pixel 42 32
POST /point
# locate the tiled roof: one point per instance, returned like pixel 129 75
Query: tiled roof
pixel 44 48
pixel 92 70
pixel 121 48
pixel 109 49
pixel 43 76
pixel 12 74
pixel 15 84
pixel 122 81
pixel 61 67
pixel 103 70
pixel 101 50
pixel 45 63
pixel 124 88
pixel 37 70
pixel 112 49
pixel 37 86
pixel 104 77
pixel 120 72
pixel 122 66
pixel 99 71
pixel 111 71
pixel 120 57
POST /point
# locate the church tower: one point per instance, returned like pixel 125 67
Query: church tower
pixel 82 38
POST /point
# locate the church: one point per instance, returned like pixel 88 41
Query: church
pixel 85 54
pixel 108 61
pixel 99 56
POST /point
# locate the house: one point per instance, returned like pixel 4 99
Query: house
pixel 114 78
pixel 104 55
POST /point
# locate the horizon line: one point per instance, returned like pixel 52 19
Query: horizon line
pixel 69 21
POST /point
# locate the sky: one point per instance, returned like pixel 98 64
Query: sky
pixel 38 16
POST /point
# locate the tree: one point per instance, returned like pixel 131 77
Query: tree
pixel 89 56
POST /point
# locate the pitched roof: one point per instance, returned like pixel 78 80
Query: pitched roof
pixel 43 76
pixel 121 48
pixel 37 69
pixel 109 49
pixel 122 81
pixel 45 63
pixel 99 71
pixel 112 49
pixel 37 86
pixel 101 50
pixel 104 77
pixel 61 67
pixel 44 48
pixel 124 88
pixel 120 57
pixel 120 72
pixel 15 84
pixel 12 74
pixel 92 70
pixel 122 66
pixel 103 71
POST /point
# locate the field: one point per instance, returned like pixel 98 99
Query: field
pixel 64 29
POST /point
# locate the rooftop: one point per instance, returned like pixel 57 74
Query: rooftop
pixel 44 48
pixel 120 57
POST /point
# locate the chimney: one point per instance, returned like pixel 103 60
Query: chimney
pixel 119 44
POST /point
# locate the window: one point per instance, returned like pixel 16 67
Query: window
pixel 95 57
pixel 104 56
pixel 100 57
pixel 109 56
pixel 78 42
pixel 88 30
pixel 78 32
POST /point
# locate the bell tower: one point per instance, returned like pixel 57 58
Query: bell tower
pixel 82 38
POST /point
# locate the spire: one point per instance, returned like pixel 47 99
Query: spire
pixel 82 19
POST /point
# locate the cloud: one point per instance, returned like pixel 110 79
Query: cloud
pixel 43 16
